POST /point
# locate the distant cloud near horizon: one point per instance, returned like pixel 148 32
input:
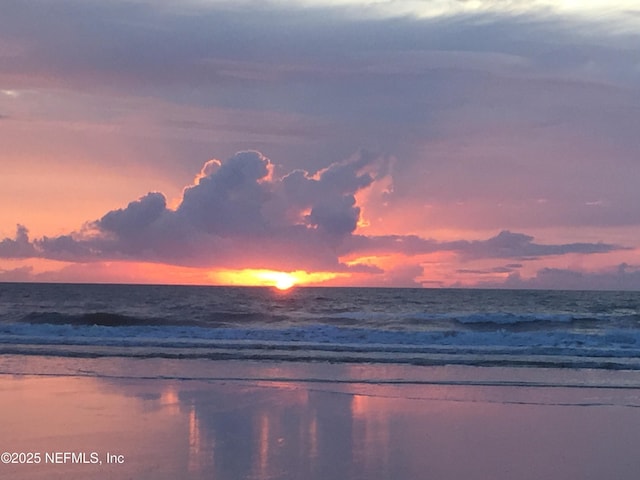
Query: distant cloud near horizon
pixel 620 277
pixel 238 214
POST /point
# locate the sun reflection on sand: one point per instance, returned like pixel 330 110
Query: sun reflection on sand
pixel 201 446
pixel 262 458
pixel 370 436
pixel 313 438
pixel 170 400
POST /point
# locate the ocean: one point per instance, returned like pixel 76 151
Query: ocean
pixel 431 327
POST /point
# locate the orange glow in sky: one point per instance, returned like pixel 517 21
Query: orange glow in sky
pixel 165 175
pixel 271 278
pixel 155 273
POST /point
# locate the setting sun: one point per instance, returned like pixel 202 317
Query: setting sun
pixel 271 278
pixel 281 280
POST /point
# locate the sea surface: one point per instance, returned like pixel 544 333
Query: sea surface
pixel 522 328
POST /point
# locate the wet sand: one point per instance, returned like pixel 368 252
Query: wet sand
pixel 243 420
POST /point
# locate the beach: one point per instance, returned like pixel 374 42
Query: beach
pixel 126 418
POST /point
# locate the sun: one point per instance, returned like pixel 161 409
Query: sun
pixel 270 278
pixel 280 280
pixel 260 277
pixel 284 281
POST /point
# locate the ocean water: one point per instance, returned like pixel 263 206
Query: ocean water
pixel 550 329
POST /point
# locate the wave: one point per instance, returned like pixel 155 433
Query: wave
pixel 114 319
pixel 107 319
pixel 380 320
pixel 613 348
pixel 337 357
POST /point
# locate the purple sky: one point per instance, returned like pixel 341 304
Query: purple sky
pixel 468 143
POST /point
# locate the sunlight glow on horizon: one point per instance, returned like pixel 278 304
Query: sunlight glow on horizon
pixel 271 278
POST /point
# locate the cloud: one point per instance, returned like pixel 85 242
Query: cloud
pixel 520 246
pixel 621 277
pixel 488 271
pixel 371 70
pixel 405 276
pixel 502 116
pixel 506 245
pixel 19 274
pixel 239 214
pixel 235 214
pixel 470 102
pixel 18 247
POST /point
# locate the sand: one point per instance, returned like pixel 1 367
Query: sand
pixel 113 418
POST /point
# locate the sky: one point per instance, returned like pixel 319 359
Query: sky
pixel 444 143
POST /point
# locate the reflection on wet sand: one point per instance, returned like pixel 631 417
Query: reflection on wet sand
pixel 370 438
pixel 195 429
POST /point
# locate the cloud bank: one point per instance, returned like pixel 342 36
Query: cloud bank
pixel 620 277
pixel 471 101
pixel 239 214
pixel 505 119
pixel 236 214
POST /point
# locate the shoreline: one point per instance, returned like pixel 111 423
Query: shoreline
pixel 132 368
pixel 242 419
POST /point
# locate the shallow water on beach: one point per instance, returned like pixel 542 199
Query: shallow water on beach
pixel 556 329
pixel 264 422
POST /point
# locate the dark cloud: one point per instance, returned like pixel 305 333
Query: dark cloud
pixel 138 215
pixel 235 55
pixel 236 214
pixel 60 248
pixel 504 245
pixel 489 271
pixel 66 247
pixel 520 246
pixel 18 247
pixel 470 103
pixel 239 214
pixel 622 277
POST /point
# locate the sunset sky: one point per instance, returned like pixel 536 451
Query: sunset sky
pixel 379 143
